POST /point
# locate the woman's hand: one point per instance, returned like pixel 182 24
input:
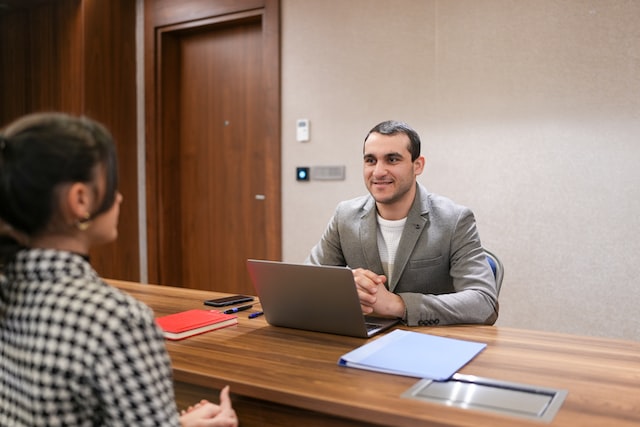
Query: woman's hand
pixel 207 414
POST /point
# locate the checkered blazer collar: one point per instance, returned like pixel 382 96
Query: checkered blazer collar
pixel 47 264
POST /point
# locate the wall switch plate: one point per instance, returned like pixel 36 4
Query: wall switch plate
pixel 302 130
pixel 328 173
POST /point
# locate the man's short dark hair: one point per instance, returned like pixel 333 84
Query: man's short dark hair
pixel 392 127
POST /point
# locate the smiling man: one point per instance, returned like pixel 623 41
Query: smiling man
pixel 414 255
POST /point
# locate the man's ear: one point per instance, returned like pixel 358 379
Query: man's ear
pixel 79 199
pixel 418 165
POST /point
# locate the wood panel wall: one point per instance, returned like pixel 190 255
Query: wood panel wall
pixel 79 56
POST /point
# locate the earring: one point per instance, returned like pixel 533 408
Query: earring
pixel 84 223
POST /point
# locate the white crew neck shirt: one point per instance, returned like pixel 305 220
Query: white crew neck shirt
pixel 389 233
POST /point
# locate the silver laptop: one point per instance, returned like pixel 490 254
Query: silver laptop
pixel 313 298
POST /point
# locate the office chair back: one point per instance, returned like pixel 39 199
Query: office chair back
pixel 496 267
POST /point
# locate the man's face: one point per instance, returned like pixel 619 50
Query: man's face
pixel 389 173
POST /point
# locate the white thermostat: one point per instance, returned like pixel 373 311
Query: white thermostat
pixel 302 130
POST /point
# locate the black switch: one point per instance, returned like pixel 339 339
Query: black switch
pixel 302 174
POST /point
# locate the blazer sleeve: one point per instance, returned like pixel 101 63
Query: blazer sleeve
pixel 328 251
pixel 473 298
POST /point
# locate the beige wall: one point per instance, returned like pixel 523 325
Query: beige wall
pixel 529 114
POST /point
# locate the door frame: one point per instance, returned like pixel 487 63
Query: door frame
pixel 163 16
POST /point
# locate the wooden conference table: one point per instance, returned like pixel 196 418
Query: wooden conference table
pixel 287 377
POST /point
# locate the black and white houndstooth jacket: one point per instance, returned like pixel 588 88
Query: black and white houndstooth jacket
pixel 75 351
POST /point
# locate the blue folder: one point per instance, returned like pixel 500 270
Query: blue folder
pixel 413 354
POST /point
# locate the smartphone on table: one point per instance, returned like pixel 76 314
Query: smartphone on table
pixel 230 300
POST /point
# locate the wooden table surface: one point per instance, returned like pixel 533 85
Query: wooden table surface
pixel 281 376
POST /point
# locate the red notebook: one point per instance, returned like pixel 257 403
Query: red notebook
pixel 192 322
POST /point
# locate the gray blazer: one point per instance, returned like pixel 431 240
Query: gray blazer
pixel 440 270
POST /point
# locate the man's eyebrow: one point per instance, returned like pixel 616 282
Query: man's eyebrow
pixel 393 153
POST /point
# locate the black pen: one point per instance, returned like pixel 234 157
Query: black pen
pixel 256 314
pixel 237 309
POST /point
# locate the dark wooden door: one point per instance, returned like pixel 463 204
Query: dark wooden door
pixel 218 159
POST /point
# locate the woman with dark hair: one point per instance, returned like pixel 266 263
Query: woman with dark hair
pixel 74 351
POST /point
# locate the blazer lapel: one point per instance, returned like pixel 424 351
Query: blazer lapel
pixel 417 221
pixel 369 237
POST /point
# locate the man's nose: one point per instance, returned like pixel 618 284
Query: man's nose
pixel 380 169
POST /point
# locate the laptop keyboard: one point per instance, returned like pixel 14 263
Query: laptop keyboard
pixel 372 326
